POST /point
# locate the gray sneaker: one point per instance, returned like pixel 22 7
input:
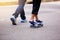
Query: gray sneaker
pixel 23 21
pixel 13 21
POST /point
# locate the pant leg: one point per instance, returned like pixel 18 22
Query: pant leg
pixel 36 6
pixel 22 15
pixel 19 8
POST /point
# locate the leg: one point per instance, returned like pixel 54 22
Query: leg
pixel 15 15
pixel 22 15
pixel 18 10
pixel 36 6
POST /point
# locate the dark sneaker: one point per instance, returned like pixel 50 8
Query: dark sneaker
pixel 13 21
pixel 40 23
pixel 23 21
pixel 33 24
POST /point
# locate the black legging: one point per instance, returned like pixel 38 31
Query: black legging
pixel 36 6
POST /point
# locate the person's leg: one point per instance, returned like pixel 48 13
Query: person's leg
pixel 15 15
pixel 36 6
pixel 22 15
pixel 18 11
pixel 33 14
pixel 19 8
pixel 39 22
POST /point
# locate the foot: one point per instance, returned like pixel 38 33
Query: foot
pixel 13 21
pixel 33 24
pixel 40 23
pixel 23 21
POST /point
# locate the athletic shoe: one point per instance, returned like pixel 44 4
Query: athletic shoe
pixel 13 21
pixel 40 23
pixel 33 24
pixel 23 21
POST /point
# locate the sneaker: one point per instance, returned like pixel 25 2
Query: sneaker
pixel 40 23
pixel 13 21
pixel 33 24
pixel 23 21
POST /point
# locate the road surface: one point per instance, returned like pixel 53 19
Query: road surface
pixel 49 13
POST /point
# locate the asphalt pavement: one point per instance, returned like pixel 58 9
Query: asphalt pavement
pixel 49 13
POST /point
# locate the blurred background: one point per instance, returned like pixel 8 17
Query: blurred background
pixel 14 2
pixel 49 0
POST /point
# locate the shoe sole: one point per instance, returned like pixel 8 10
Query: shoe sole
pixel 23 21
pixel 35 26
pixel 40 25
